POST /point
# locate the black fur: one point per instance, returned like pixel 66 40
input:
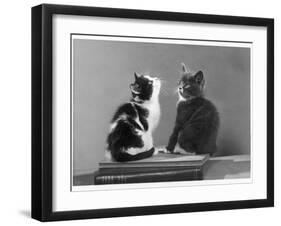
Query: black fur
pixel 197 120
pixel 125 134
pixel 143 114
pixel 143 87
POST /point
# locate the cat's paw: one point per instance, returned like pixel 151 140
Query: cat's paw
pixel 181 151
pixel 161 150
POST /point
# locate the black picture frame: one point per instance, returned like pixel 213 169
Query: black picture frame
pixel 42 111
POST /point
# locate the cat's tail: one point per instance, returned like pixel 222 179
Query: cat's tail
pixel 123 156
pixel 123 138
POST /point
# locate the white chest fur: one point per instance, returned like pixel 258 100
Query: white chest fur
pixel 154 113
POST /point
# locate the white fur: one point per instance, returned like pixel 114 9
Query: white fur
pixel 139 123
pixel 134 91
pixel 153 118
pixel 112 126
pixel 108 155
pixel 181 98
pixel 153 105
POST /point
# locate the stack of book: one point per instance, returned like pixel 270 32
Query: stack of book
pixel 159 168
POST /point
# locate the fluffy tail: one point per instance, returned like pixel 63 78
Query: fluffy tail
pixel 123 138
pixel 121 156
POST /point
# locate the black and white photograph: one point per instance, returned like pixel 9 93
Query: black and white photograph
pixel 139 112
pixel 159 110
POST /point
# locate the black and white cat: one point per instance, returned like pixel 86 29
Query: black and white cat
pixel 197 119
pixel 130 136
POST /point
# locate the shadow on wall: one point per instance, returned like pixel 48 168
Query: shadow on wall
pixel 234 133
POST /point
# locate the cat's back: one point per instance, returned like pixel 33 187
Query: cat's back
pixel 126 109
pixel 209 105
pixel 199 109
pixel 207 111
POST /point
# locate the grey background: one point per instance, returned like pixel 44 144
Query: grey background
pixel 103 70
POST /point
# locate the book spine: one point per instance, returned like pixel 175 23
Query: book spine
pixel 114 171
pixel 175 175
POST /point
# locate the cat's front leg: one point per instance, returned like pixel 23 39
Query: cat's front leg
pixel 173 139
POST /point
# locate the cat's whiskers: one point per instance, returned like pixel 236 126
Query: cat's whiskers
pixel 162 80
pixel 165 92
pixel 163 88
pixel 176 91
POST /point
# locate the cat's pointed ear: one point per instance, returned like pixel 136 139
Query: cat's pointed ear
pixel 136 75
pixel 199 77
pixel 185 70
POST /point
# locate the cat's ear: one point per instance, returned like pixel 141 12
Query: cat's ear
pixel 199 77
pixel 185 70
pixel 137 75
